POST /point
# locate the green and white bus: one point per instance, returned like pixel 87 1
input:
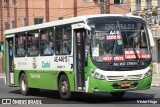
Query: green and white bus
pixel 93 53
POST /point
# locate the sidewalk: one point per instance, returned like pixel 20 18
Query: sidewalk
pixel 1 75
pixel 155 80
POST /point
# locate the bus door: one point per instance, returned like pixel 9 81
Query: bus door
pixel 9 59
pixel 79 58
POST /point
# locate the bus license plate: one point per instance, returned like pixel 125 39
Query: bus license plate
pixel 125 85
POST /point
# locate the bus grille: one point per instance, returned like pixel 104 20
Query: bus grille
pixel 129 77
pixel 134 77
pixel 115 78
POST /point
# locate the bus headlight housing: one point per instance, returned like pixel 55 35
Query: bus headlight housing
pixel 97 75
pixel 149 73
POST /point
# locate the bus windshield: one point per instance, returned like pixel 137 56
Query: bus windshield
pixel 119 40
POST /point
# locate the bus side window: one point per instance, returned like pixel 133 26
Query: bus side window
pixel 143 43
pixel 63 39
pixel 47 41
pixel 143 40
pixel 33 43
pixel 20 48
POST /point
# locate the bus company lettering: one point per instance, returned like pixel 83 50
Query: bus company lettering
pixel 113 37
pixel 116 58
pixel 34 75
pixel 126 63
pixel 128 52
pixel 46 64
pixel 121 26
pixel 22 64
pixel 60 59
pixel 146 56
pixel 60 66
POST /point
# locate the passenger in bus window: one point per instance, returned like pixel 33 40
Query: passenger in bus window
pixel 64 37
pixel 20 40
pixel 29 39
pixel 108 46
pixel 16 41
pixel 29 49
pixel 43 41
pixel 20 51
pixel 34 50
pixel 58 44
pixel 66 47
pixel 119 47
pixel 43 36
pixel 24 40
pixel 50 49
pixel 136 42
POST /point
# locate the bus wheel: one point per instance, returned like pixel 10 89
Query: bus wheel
pixel 24 85
pixel 117 94
pixel 64 88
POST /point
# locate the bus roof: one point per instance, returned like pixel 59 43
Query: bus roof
pixel 111 15
pixel 64 21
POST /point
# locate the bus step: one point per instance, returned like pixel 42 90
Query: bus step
pixel 80 88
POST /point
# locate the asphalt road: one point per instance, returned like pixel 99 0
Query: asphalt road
pixel 82 99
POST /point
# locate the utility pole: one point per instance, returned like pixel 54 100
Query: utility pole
pixel 75 7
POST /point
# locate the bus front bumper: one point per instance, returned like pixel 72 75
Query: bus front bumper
pixel 96 85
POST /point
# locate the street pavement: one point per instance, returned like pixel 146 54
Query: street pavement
pixel 82 99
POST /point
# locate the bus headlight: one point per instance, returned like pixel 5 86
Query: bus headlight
pixel 149 73
pixel 97 75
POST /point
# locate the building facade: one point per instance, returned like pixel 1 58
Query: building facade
pixel 113 6
pixel 19 13
pixel 150 11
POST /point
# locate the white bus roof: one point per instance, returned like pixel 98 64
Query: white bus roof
pixel 62 22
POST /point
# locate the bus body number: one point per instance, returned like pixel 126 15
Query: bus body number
pixel 60 59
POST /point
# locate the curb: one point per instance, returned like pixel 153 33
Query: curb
pixel 155 85
pixel 1 76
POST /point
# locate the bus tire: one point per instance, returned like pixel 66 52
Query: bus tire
pixel 118 94
pixel 24 85
pixel 64 88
